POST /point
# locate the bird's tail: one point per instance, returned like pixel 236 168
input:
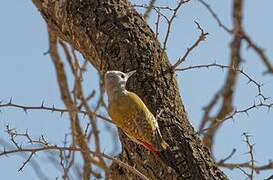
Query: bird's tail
pixel 160 142
pixel 164 153
pixel 151 148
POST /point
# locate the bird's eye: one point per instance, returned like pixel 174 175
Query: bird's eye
pixel 122 76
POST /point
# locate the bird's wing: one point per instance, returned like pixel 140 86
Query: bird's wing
pixel 149 124
pixel 143 118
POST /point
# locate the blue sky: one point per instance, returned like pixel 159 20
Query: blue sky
pixel 27 75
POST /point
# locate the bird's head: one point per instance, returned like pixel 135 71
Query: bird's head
pixel 116 79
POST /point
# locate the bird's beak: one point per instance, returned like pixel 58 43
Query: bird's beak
pixel 129 74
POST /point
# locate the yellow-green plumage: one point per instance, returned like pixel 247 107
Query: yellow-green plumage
pixel 130 113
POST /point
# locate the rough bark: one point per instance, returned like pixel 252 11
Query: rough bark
pixel 112 35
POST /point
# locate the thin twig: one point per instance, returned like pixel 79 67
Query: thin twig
pixel 58 148
pixel 260 53
pixel 77 134
pixel 215 16
pixel 222 161
pixel 201 37
pixel 251 154
pixel 222 66
pixel 52 109
pixel 236 112
pixel 170 22
pixel 244 36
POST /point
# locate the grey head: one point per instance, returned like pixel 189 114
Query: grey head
pixel 116 80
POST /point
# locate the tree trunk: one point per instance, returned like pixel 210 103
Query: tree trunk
pixel 113 36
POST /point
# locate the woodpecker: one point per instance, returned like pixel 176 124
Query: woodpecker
pixel 131 115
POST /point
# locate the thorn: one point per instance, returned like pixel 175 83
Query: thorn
pixel 254 104
pixel 42 105
pixel 232 118
pixel 53 108
pixel 46 53
pixel 7 127
pixel 10 100
pixel 249 81
pixel 25 110
pixel 268 109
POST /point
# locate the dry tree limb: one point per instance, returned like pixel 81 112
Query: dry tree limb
pixel 247 165
pixel 53 109
pixel 77 134
pixel 228 89
pixel 78 94
pixel 222 161
pixel 236 112
pixel 59 148
pixel 42 145
pixel 201 37
pixel 228 67
pixel 170 22
pixel 215 16
pixel 260 52
pixel 251 154
pixel 33 163
pixel 251 164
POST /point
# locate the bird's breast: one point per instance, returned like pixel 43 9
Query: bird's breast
pixel 122 111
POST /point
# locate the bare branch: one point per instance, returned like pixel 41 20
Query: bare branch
pixel 201 37
pixel 257 169
pixel 236 112
pixel 33 163
pixel 222 66
pixel 247 38
pixel 28 159
pixel 248 165
pixel 222 161
pixel 170 22
pixel 215 16
pixel 59 148
pixel 228 88
pixel 260 53
pixel 246 110
pixel 53 109
pixel 78 136
pixel 250 152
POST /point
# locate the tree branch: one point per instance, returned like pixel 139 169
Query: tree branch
pixel 228 89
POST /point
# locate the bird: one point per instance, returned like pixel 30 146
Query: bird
pixel 130 114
